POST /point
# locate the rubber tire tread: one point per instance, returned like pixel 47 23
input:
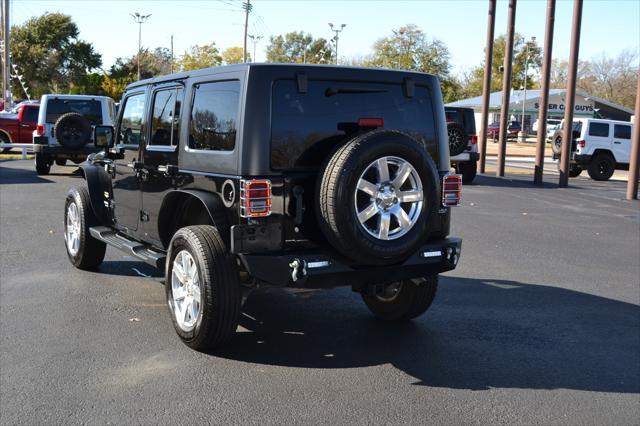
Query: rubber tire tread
pixel 91 252
pixel 219 269
pixel 43 166
pixel 413 301
pixel 82 121
pixel 593 171
pixel 468 171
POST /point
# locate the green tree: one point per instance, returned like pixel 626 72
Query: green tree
pixel 200 56
pixel 474 82
pixel 50 55
pixel 234 55
pixel 298 47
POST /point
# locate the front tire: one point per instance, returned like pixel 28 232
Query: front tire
pixel 43 164
pixel 403 300
pixel 202 288
pixel 601 167
pixel 84 251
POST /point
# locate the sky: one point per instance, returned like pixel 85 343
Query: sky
pixel 608 26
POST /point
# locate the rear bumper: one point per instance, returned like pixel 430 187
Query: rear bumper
pixel 319 269
pixel 41 146
pixel 466 157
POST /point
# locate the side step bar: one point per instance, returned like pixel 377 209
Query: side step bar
pixel 115 239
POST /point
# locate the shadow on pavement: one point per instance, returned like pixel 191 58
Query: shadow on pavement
pixel 20 176
pixel 508 182
pixel 479 334
pixel 129 268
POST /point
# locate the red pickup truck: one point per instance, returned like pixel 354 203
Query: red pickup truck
pixel 18 125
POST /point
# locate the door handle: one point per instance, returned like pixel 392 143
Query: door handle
pixel 25 125
pixel 135 165
pixel 617 143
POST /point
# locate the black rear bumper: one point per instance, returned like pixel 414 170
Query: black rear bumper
pixel 41 146
pixel 319 269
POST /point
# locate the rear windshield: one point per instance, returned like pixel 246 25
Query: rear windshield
pixel 90 109
pixel 306 125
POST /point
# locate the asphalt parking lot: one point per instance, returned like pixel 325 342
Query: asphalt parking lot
pixel 539 324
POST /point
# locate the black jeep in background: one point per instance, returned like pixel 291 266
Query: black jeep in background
pixel 463 141
pixel 247 175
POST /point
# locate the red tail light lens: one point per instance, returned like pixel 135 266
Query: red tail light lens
pixel 451 190
pixel 582 144
pixel 255 198
pixel 370 122
pixel 474 140
pixel 40 130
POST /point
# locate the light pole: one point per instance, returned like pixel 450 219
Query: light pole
pixel 337 36
pixel 524 101
pixel 255 40
pixel 139 19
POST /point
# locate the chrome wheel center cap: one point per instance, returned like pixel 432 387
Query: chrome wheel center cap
pixel 386 197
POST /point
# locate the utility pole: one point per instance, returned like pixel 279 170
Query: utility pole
pixel 255 39
pixel 171 53
pixel 139 19
pixel 544 96
pixel 567 130
pixel 632 182
pixel 337 36
pixel 247 9
pixel 486 87
pixel 506 89
pixel 6 61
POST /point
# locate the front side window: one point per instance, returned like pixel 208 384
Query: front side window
pixel 131 122
pixel 620 131
pixel 214 116
pixel 599 129
pixel 31 115
pixel 165 122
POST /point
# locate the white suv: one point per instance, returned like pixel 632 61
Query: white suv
pixel 64 129
pixel 601 146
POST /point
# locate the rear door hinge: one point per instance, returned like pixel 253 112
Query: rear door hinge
pixel 144 216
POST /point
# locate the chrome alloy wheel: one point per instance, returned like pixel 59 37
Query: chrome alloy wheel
pixel 72 229
pixel 387 207
pixel 185 291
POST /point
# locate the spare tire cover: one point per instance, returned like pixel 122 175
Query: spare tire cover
pixel 72 130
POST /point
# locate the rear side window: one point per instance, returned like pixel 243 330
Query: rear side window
pixel 599 129
pixel 620 131
pixel 165 121
pixel 90 109
pixel 214 116
pixel 131 122
pixel 305 126
pixel 31 115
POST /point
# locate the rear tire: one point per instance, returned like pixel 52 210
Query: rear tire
pixel 4 139
pixel 61 162
pixel 468 170
pixel 84 251
pixel 404 300
pixel 43 164
pixel 556 145
pixel 204 302
pixel 601 167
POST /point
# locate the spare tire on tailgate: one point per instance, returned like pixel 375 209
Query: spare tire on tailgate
pixel 377 195
pixel 458 138
pixel 72 130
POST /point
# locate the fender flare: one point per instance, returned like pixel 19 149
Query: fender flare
pixel 99 186
pixel 212 204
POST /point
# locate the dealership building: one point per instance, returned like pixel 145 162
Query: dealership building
pixel 585 106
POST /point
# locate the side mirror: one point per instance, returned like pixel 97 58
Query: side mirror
pixel 103 136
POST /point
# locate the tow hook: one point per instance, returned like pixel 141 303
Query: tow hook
pixel 298 269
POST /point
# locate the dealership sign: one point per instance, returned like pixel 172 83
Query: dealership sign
pixel 560 107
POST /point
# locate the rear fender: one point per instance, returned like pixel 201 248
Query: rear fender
pixel 100 192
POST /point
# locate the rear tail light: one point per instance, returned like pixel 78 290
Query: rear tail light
pixel 255 198
pixel 40 130
pixel 582 144
pixel 474 140
pixel 451 190
pixel 370 122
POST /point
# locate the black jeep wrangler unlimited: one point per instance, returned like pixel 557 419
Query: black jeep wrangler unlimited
pixel 301 176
